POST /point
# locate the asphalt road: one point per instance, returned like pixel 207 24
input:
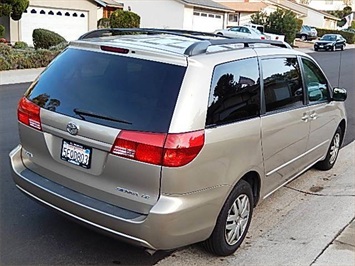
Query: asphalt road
pixel 33 235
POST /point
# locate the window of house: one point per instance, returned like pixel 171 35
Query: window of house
pixel 218 16
pixel 51 13
pixel 203 15
pixel 42 12
pixel 282 84
pixel 210 15
pixel 233 18
pixel 33 11
pixel 196 13
pixel 59 13
pixel 234 93
pixel 315 81
pixel 75 14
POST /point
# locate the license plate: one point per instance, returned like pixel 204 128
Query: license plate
pixel 75 153
pixel 320 46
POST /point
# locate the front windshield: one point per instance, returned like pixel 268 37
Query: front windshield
pixel 329 38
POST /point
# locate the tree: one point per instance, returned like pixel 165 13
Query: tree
pixel 279 22
pixel 124 19
pixel 13 8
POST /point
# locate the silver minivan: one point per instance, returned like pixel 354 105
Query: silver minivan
pixel 164 139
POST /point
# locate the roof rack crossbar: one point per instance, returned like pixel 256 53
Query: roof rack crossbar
pixel 202 46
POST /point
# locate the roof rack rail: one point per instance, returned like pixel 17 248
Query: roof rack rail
pixel 122 31
pixel 199 47
pixel 202 46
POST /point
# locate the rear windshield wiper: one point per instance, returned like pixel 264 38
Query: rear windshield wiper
pixel 83 113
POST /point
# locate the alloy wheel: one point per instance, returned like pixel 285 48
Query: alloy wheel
pixel 237 219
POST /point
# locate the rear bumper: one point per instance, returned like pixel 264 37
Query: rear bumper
pixel 174 221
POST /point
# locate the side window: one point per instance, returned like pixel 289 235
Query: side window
pixel 282 84
pixel 316 83
pixel 234 93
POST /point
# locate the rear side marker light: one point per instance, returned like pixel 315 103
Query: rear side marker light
pixel 29 113
pixel 172 150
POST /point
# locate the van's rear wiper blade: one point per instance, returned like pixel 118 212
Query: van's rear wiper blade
pixel 83 113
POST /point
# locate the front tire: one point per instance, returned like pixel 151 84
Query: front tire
pixel 233 221
pixel 332 153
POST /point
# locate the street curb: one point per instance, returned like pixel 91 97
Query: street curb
pixel 19 75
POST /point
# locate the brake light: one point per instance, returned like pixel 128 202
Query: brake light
pixel 180 149
pixel 262 37
pixel 114 49
pixel 29 113
pixel 171 150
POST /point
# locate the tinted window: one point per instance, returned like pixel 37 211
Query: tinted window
pixel 315 81
pixel 282 83
pixel 140 92
pixel 235 92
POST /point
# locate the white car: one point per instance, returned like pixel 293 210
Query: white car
pixel 241 32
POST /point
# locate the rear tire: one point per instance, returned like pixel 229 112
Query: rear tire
pixel 233 221
pixel 332 153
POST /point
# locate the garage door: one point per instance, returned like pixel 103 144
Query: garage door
pixel 68 23
pixel 207 21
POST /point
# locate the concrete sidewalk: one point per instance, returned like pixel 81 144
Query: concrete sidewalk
pixel 19 75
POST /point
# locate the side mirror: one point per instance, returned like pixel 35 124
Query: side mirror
pixel 339 94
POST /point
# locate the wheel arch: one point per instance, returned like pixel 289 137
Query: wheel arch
pixel 254 180
pixel 342 125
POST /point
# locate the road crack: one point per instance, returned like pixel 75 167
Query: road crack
pixel 319 194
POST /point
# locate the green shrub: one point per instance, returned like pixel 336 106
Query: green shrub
pixel 349 36
pixel 352 24
pixel 5 50
pixel 43 38
pixel 2 31
pixel 103 23
pixel 59 47
pixel 20 45
pixel 4 64
pixel 124 19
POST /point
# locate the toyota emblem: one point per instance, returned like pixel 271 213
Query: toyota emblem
pixel 72 128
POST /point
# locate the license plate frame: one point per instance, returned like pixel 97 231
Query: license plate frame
pixel 76 154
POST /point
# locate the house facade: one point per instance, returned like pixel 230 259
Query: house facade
pixel 70 19
pixel 245 8
pixel 199 15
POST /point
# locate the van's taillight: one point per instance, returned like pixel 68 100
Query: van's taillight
pixel 262 37
pixel 29 113
pixel 114 49
pixel 171 150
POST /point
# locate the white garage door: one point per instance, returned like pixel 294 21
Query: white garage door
pixel 68 23
pixel 207 21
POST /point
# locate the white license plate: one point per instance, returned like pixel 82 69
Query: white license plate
pixel 75 153
pixel 320 46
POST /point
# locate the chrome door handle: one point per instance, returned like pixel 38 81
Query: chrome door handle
pixel 305 117
pixel 313 116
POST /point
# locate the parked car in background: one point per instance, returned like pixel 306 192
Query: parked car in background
pixel 330 42
pixel 272 36
pixel 242 32
pixel 307 33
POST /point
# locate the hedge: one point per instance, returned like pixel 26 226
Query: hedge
pixel 43 38
pixel 349 36
pixel 11 58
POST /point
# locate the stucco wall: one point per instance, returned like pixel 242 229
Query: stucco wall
pixel 157 13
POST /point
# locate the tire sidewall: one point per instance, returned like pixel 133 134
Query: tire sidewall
pixel 225 249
